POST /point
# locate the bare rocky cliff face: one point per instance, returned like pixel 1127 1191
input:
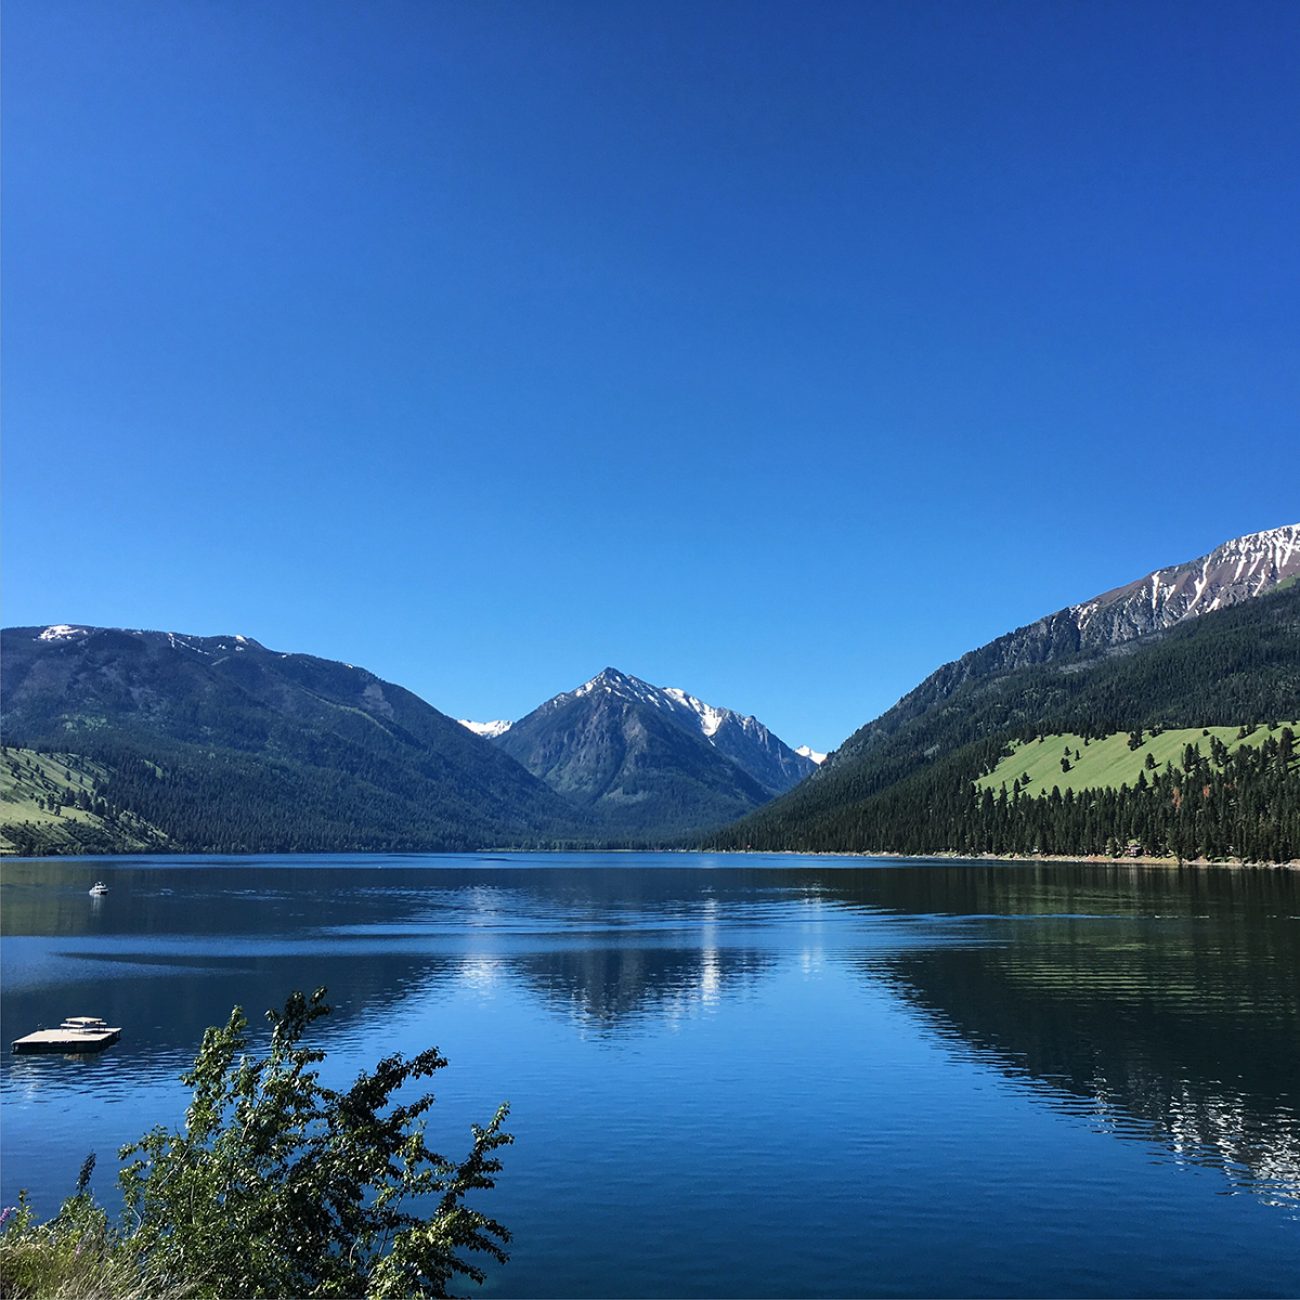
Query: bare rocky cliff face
pixel 1238 570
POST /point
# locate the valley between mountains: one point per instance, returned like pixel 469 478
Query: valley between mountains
pixel 1157 718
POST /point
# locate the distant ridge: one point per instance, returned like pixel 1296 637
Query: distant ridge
pixel 488 730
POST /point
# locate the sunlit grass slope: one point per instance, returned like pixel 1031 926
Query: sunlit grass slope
pixel 1109 762
pixel 28 823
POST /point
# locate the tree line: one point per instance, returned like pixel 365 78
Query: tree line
pixel 1216 805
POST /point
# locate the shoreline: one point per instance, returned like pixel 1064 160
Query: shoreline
pixel 951 855
pixel 1094 859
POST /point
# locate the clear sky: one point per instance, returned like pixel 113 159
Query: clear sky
pixel 780 352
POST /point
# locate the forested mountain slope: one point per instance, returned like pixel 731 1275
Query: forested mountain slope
pixel 224 745
pixel 54 803
pixel 906 782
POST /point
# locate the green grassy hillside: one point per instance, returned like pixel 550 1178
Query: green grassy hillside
pixel 54 803
pixel 1109 762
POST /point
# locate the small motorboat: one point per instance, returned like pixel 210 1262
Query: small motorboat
pixel 98 889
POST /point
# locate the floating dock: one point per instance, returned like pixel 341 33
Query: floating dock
pixel 76 1034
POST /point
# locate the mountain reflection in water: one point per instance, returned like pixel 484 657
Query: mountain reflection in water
pixel 1167 1001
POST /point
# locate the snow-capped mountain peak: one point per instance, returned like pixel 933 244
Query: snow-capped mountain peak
pixel 488 730
pixel 807 751
pixel 610 681
pixel 698 715
pixel 743 739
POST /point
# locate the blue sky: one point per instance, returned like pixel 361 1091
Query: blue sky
pixel 780 352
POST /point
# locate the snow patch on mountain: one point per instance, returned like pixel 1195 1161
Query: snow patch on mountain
pixel 706 718
pixel 488 730
pixel 807 751
pixel 62 632
pixel 186 643
pixel 710 718
pixel 1240 569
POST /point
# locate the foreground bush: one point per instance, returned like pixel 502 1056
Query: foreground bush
pixel 276 1186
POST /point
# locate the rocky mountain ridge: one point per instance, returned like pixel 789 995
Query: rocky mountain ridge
pixel 1235 572
pixel 1239 570
pixel 649 759
pixel 741 737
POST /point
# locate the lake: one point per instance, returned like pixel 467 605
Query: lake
pixel 733 1075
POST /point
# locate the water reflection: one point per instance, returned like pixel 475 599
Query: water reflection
pixel 607 990
pixel 1164 1005
pixel 604 950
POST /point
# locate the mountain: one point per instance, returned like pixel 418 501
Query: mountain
pixel 652 761
pixel 1215 641
pixel 220 744
pixel 743 739
pixel 488 730
pixel 807 751
pixel 1235 572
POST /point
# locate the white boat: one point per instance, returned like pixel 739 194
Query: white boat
pixel 98 889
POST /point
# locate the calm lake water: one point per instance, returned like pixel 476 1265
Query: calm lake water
pixel 738 1076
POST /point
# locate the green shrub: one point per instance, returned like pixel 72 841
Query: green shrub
pixel 276 1186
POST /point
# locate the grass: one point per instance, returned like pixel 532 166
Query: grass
pixel 53 1268
pixel 1107 763
pixel 29 778
pixel 76 1256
